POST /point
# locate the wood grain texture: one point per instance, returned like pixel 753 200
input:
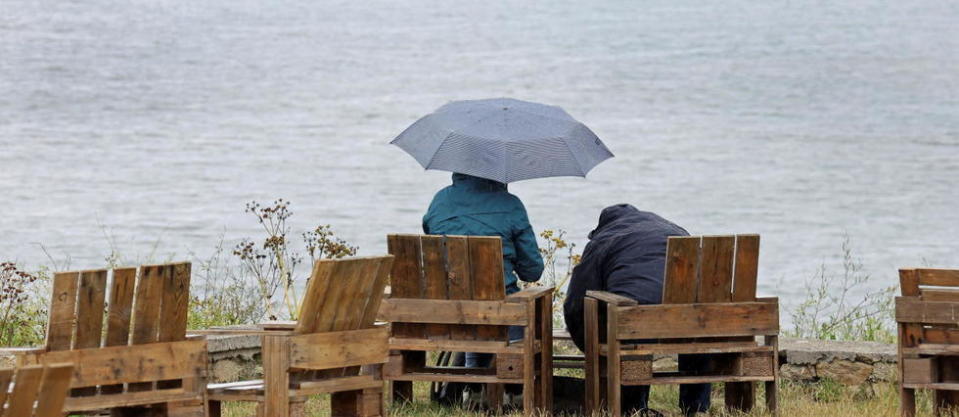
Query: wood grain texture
pixel 486 270
pixel 698 320
pixel 938 277
pixel 460 282
pixel 405 277
pixel 716 269
pixel 682 270
pixel 62 311
pixel 53 391
pixel 434 278
pixel 6 377
pixel 498 313
pixel 747 268
pixel 26 386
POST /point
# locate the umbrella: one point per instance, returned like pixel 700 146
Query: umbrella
pixel 504 140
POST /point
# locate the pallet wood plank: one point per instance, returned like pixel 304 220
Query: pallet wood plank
pixel 682 269
pixel 339 349
pixel 53 392
pixel 62 311
pixel 312 303
pixel 460 281
pixel 716 268
pixel 494 313
pixel 405 277
pixel 698 320
pixel 913 310
pixel 747 268
pixel 927 294
pixel 938 277
pixel 174 303
pixel 138 363
pixel 376 294
pixel 434 278
pixel 276 376
pixel 90 305
pixel 6 376
pixel 146 312
pixel 119 314
pixel 486 270
pixel 25 389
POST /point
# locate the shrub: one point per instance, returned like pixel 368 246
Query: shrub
pixel 23 309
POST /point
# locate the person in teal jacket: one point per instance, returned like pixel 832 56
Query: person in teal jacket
pixel 480 207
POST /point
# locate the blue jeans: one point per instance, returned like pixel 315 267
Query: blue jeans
pixel 693 398
pixel 482 360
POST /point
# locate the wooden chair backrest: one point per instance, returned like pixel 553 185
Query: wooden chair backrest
pixel 711 269
pixel 930 284
pixel 143 308
pixel 447 268
pixel 37 390
pixel 343 294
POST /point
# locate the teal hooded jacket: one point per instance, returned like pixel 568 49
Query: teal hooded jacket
pixel 476 206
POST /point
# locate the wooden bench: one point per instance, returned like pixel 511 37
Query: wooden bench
pixel 142 357
pixel 709 307
pixel 447 294
pixel 324 350
pixel 37 390
pixel 928 318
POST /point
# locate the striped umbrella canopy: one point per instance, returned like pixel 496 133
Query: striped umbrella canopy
pixel 504 140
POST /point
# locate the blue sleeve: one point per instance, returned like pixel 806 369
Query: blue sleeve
pixel 529 262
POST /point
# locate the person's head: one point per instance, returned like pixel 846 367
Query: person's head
pixel 460 178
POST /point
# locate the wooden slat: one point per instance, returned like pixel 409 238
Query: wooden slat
pixel 716 268
pixel 353 276
pixel 146 312
pixel 909 282
pixel 175 302
pixel 119 314
pixel 496 313
pixel 62 311
pixel 90 307
pixel 670 379
pixel 913 310
pixel 53 392
pixel 682 269
pixel 128 399
pixel 276 375
pixel 747 268
pixel 6 376
pixel 939 295
pixel 330 301
pixel 312 302
pixel 486 271
pixel 376 293
pixel 339 349
pixel 349 383
pixel 405 277
pixel 610 298
pixel 120 308
pixel 370 274
pixel 25 389
pixel 698 320
pixel 434 274
pixel 130 364
pixel 480 346
pixel 939 277
pixel 940 335
pixel 460 282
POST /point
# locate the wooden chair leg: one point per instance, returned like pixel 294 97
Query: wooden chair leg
pixel 907 401
pixel 529 364
pixel 740 396
pixel 593 403
pixel 214 408
pixel 494 398
pixel 358 403
pixel 613 364
pixel 276 376
pixel 772 398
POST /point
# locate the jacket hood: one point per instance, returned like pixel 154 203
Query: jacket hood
pixel 477 183
pixel 621 216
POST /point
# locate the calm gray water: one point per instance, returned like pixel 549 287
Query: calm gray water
pixel 156 120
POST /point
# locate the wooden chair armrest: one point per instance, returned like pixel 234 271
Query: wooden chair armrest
pixel 530 293
pixel 610 298
pixel 236 332
pixel 767 300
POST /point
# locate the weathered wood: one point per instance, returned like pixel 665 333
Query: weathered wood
pixel 53 391
pixel 613 369
pixel 120 311
pixel 174 303
pixel 747 268
pixel 591 324
pixel 636 367
pixel 610 298
pixel 62 311
pixel 25 390
pixel 698 320
pixel 486 270
pixel 6 376
pixel 479 346
pixel 913 310
pixel 716 269
pixel 90 303
pixel 339 349
pixel 460 281
pixel 939 295
pixel 405 277
pixel 938 277
pixel 130 364
pixel 434 276
pixel 276 376
pixel 497 313
pixel 127 399
pixel 682 270
pixel 920 371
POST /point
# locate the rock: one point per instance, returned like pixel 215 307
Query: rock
pixel 845 372
pixel 884 372
pixel 803 373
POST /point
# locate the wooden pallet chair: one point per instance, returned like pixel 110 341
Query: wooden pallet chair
pixel 323 351
pixel 447 294
pixel 928 318
pixel 136 359
pixel 709 307
pixel 37 390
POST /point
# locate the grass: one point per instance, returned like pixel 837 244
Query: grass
pixel 795 400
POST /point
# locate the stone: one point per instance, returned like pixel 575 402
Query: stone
pixel 845 372
pixel 801 373
pixel 884 372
